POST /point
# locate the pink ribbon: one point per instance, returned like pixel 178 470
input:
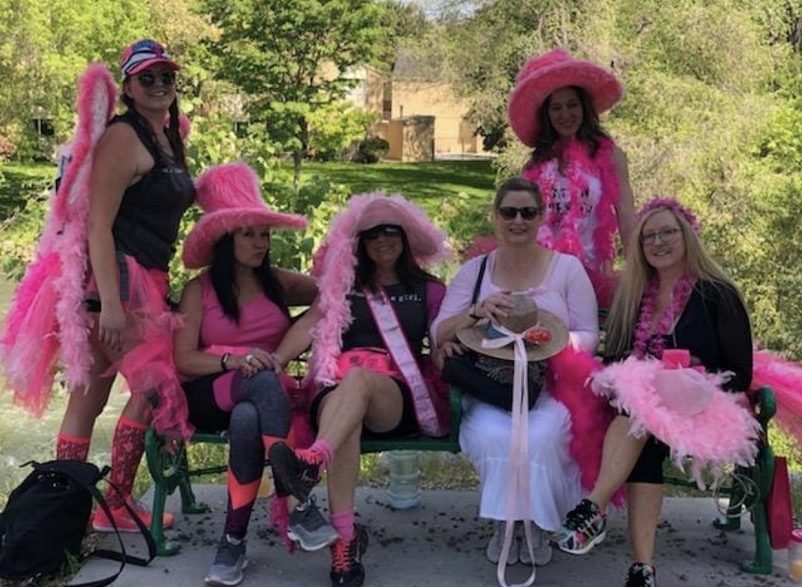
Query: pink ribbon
pixel 518 476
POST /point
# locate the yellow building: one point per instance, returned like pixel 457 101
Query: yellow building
pixel 421 117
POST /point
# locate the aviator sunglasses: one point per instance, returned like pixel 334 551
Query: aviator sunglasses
pixel 147 79
pixel 526 212
pixel 381 230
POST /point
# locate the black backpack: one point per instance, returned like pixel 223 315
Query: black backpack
pixel 46 517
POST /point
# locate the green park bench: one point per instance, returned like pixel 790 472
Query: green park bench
pixel 747 488
pixel 171 471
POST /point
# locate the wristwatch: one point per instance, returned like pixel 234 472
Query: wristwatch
pixel 472 312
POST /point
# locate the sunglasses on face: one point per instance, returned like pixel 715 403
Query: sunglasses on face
pixel 381 230
pixel 148 79
pixel 526 212
pixel 666 235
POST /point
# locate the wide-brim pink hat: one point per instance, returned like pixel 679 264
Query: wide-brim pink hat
pixel 231 199
pixel 366 211
pixel 542 75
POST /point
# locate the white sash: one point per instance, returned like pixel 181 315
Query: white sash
pixel 518 475
pixel 398 347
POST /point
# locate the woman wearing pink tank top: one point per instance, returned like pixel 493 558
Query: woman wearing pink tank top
pixel 235 316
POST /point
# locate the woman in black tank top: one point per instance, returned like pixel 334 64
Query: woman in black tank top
pixel 139 189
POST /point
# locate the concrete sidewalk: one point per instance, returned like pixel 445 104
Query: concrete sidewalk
pixel 442 543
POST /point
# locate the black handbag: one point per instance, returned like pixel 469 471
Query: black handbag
pixel 489 379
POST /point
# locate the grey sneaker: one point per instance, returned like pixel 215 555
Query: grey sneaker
pixel 226 570
pixel 309 528
pixel 496 544
pixel 540 545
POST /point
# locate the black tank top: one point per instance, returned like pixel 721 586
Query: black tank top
pixel 409 303
pixel 146 226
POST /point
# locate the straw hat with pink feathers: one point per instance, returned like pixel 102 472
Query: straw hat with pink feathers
pixel 231 199
pixel 544 74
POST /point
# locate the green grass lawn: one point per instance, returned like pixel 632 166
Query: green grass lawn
pixel 425 183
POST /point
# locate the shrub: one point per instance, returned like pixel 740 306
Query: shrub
pixel 371 150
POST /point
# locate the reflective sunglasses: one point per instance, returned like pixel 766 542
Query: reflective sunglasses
pixel 666 235
pixel 526 212
pixel 381 230
pixel 147 79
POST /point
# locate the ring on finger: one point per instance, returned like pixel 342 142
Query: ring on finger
pixel 249 359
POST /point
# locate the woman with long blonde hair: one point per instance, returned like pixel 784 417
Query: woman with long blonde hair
pixel 674 309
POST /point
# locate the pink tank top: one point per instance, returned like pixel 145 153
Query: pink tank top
pixel 262 324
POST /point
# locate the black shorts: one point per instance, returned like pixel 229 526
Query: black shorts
pixel 407 426
pixel 204 413
pixel 649 466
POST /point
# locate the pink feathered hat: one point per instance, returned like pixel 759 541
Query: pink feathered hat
pixel 542 75
pixel 231 199
pixel 335 261
pixel 366 211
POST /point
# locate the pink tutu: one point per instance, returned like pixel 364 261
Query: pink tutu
pixel 147 364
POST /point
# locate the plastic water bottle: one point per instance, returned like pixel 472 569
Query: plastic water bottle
pixel 404 490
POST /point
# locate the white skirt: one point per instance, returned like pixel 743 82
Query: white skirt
pixel 554 476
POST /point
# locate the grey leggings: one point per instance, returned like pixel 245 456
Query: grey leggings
pixel 261 408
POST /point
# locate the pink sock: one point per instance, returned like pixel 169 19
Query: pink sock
pixel 343 522
pixel 71 448
pixel 323 448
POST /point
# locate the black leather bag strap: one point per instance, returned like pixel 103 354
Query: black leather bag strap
pixel 478 285
pixel 121 556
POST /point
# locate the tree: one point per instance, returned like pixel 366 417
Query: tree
pixel 292 58
pixel 45 44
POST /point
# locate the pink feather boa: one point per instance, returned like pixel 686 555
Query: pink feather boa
pixel 335 268
pixel 565 234
pixel 725 432
pixel 569 380
pixel 47 305
pixel 785 379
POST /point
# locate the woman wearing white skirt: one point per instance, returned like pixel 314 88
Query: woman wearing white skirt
pixel 489 287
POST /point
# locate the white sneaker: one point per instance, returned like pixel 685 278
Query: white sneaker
pixel 497 542
pixel 540 545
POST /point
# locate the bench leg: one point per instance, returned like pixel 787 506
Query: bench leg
pixel 189 504
pixel 763 555
pixel 163 546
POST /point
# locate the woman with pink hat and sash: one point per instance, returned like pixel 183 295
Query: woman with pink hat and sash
pixel 554 108
pixel 235 315
pixel 678 340
pixel 96 298
pixel 367 330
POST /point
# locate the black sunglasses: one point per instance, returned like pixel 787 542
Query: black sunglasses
pixel 381 230
pixel 147 79
pixel 526 212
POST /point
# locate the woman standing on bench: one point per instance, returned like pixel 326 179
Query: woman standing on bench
pixel 366 329
pixel 581 172
pixel 672 296
pixel 235 314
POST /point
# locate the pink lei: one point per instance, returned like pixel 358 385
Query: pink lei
pixel 569 228
pixel 649 341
